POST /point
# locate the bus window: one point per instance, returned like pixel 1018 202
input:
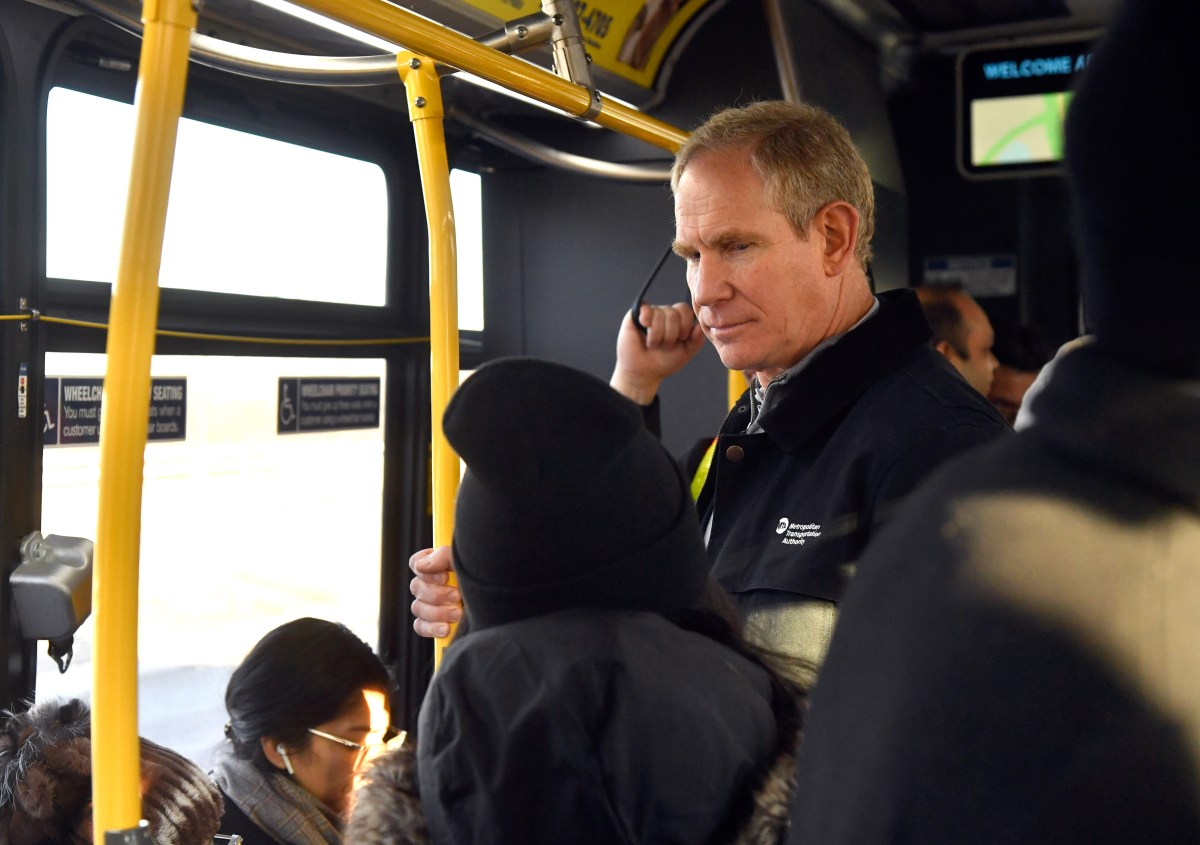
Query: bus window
pixel 468 226
pixel 290 221
pixel 243 528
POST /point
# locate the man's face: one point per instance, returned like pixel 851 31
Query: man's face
pixel 758 289
pixel 979 367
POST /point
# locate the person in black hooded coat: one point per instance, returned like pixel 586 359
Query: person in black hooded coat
pixel 600 692
pixel 1018 660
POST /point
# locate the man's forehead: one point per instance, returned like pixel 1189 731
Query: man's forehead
pixel 713 236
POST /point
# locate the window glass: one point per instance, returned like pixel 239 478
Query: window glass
pixel 247 214
pixel 468 225
pixel 242 529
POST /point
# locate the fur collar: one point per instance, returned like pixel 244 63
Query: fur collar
pixel 387 807
pixel 27 735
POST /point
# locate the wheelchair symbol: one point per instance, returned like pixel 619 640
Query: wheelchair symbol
pixel 287 413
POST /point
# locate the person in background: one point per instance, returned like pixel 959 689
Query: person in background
pixel 46 783
pixel 308 708
pixel 599 690
pixel 1021 354
pixel 850 408
pixel 962 333
pixel 1018 659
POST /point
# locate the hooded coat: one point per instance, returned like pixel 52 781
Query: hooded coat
pixel 1017 661
pixel 599 727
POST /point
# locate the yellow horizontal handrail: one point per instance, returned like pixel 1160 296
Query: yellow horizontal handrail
pixel 442 44
pixel 274 341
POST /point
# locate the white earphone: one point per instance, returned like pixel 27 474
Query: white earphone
pixel 287 764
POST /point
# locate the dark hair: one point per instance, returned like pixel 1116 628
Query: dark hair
pixel 942 304
pixel 296 677
pixel 1023 348
pixel 947 323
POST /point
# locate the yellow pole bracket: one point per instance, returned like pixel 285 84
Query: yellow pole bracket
pixel 419 74
pixel 162 77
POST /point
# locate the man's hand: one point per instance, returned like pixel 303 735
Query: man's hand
pixel 435 604
pixel 672 338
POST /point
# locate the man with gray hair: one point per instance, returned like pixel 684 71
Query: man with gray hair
pixel 850 408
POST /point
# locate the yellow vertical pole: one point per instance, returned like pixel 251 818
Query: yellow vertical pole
pixel 162 76
pixel 736 385
pixel 420 78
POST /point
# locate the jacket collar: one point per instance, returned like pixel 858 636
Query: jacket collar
pixel 1108 413
pixel 835 379
pixel 389 803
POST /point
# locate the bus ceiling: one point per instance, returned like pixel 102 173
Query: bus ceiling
pixel 634 45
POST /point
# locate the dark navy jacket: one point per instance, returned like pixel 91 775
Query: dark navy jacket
pixel 792 507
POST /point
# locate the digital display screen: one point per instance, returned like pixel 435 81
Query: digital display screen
pixel 1027 129
pixel 1012 105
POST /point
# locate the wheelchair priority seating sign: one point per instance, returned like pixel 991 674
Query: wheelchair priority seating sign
pixel 327 404
pixel 71 410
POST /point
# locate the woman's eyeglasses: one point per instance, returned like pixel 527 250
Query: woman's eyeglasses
pixel 392 738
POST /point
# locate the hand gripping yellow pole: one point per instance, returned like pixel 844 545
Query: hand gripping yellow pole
pixel 420 78
pixel 162 75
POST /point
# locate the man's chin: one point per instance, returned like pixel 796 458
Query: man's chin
pixel 732 360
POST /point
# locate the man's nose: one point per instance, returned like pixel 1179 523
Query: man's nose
pixel 708 281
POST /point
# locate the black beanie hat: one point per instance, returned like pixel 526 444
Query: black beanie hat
pixel 1135 180
pixel 568 500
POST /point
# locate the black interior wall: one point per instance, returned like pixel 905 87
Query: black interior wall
pixel 566 256
pixel 950 214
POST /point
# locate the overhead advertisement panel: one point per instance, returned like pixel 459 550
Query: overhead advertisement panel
pixel 629 38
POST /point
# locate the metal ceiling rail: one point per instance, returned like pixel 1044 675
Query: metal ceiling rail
pixel 363 71
pixel 535 151
pixel 441 44
pixel 339 71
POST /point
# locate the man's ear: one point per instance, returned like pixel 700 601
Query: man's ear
pixel 947 350
pixel 837 224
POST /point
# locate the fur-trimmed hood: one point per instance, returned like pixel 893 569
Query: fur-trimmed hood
pixel 46 774
pixel 46 782
pixel 387 808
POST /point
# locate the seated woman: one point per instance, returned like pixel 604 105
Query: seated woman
pixel 308 707
pixel 599 690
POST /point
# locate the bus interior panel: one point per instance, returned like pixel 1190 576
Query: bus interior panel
pixel 296 267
